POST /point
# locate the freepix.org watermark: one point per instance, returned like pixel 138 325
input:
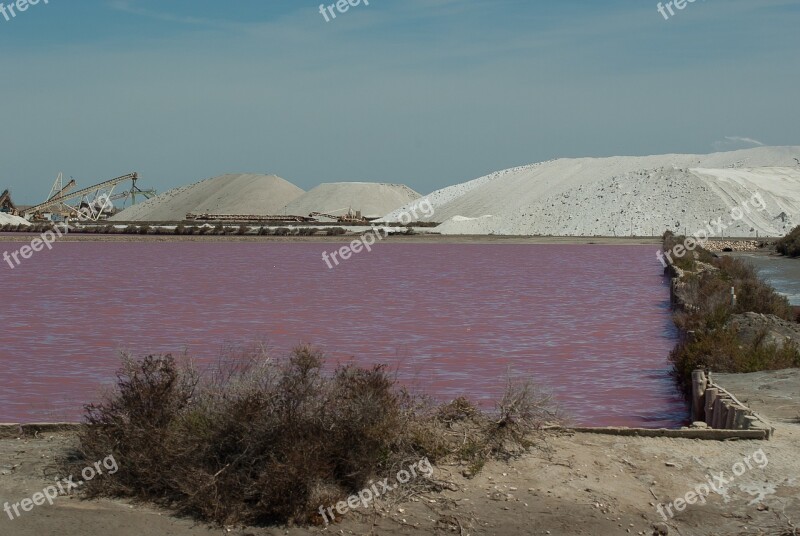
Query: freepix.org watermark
pixel 667 11
pixel 367 495
pixel 342 6
pixel 713 228
pixel 63 486
pixel 46 239
pixel 377 234
pixel 11 10
pixel 714 482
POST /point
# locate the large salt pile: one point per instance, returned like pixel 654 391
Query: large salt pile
pixel 371 199
pixel 246 194
pixel 8 219
pixel 623 196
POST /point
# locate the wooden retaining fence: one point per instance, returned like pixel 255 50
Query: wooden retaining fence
pixel 720 409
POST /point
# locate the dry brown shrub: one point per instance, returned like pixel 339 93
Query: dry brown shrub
pixel 259 440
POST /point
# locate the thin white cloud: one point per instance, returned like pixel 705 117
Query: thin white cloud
pixel 128 6
pixel 731 143
pixel 737 139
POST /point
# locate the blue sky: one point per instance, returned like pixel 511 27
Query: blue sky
pixel 423 92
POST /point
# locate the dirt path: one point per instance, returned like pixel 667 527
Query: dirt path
pixel 573 484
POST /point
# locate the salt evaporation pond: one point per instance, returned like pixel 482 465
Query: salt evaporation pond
pixel 591 323
pixel 781 273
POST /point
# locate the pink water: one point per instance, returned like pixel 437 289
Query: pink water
pixel 591 323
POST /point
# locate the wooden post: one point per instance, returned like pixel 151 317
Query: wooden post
pixel 698 390
pixel 719 414
pixel 749 421
pixel 731 417
pixel 738 419
pixel 711 397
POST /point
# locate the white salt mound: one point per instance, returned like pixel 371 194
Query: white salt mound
pixel 469 226
pixel 8 219
pixel 623 196
pixel 372 199
pixel 247 194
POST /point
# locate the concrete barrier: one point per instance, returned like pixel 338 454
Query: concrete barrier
pixel 13 430
pixel 678 433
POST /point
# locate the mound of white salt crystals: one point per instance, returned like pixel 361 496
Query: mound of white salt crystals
pixel 623 196
pixel 337 198
pixel 8 219
pixel 245 194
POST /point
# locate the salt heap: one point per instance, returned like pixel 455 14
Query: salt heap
pixel 371 199
pixel 623 196
pixel 8 219
pixel 246 194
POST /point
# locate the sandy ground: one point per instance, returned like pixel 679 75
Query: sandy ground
pixel 776 393
pixel 571 484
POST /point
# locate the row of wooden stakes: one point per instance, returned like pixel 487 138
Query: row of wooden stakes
pixel 719 409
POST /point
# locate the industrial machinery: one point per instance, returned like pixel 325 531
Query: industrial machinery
pixel 349 217
pixel 59 188
pixel 6 205
pixel 245 218
pixel 92 203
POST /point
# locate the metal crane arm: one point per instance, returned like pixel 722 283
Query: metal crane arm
pixel 80 193
pixel 67 187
